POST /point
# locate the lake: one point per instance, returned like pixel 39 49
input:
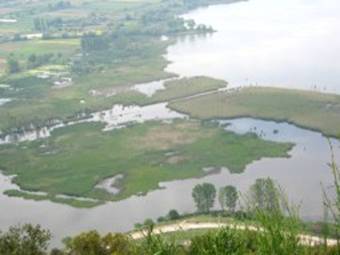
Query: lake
pixel 290 43
pixel 301 177
pixel 284 46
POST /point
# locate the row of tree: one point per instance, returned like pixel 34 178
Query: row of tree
pixel 263 194
pixel 44 25
pixel 60 5
pixel 281 235
pixel 32 61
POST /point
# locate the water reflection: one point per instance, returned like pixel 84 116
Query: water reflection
pixel 292 43
pixel 299 175
pixel 116 117
pixel 259 42
pixel 4 101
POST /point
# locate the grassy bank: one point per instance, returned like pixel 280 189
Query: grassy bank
pixel 66 103
pixel 36 100
pixel 311 110
pixel 132 53
pixel 187 87
pixel 76 158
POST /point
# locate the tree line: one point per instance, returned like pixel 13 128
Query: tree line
pixel 277 233
pixel 263 195
pixel 32 61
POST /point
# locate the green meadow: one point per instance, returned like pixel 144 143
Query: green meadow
pixel 74 159
pixel 312 110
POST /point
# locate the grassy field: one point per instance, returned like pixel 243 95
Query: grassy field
pixel 132 30
pixel 26 11
pixel 23 49
pixel 187 87
pixel 36 100
pixel 182 236
pixel 311 110
pixel 76 158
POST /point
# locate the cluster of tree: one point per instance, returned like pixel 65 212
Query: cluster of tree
pixel 102 51
pixel 263 195
pixel 25 240
pixel 172 215
pixel 13 65
pixel 204 196
pixel 132 36
pixel 278 240
pixel 61 5
pixel 92 42
pixel 276 232
pixel 34 60
pixel 41 25
pixel 44 25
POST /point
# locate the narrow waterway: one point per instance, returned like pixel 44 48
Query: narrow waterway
pixel 301 176
pixel 117 117
pixel 284 46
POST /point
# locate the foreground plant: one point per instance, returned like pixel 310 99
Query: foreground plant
pixel 220 242
pixel 333 205
pixel 24 240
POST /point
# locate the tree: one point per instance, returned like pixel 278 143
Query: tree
pixel 13 66
pixel 41 25
pixel 222 241
pixel 264 195
pixel 148 223
pixel 91 243
pixel 25 240
pixel 92 42
pixel 56 252
pixel 173 215
pixel 204 196
pixel 228 197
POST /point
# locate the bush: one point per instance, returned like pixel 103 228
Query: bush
pixel 25 240
pixel 92 243
pixel 173 215
pixel 224 241
pixel 161 219
pixel 156 245
pixel 149 223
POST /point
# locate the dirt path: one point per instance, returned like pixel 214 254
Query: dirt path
pixel 185 226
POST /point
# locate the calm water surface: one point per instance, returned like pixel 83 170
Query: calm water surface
pixel 290 43
pixel 301 176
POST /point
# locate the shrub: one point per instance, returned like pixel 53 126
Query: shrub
pixel 24 240
pixel 173 215
pixel 224 241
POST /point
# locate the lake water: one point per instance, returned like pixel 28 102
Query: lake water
pixel 301 176
pixel 283 45
pixel 117 117
pixel 4 101
pixel 290 43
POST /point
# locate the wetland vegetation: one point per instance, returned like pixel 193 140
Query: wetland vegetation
pixel 74 159
pixel 307 109
pixel 69 76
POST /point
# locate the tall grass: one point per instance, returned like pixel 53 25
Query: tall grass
pixel 332 206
